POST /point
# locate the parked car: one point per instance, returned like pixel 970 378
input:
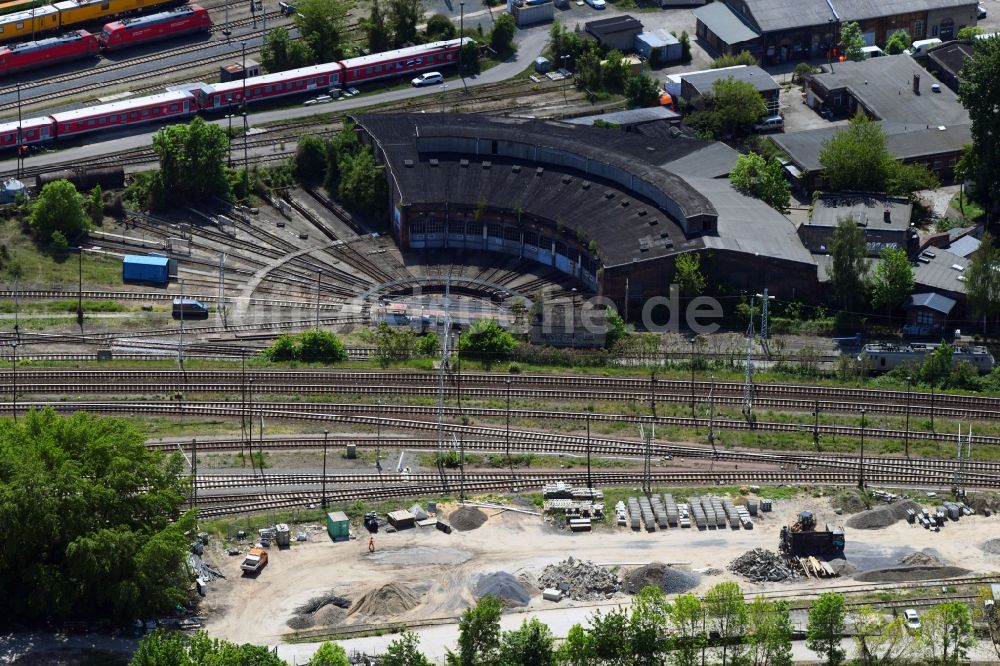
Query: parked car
pixel 428 79
pixel 912 619
pixel 770 124
pixel 597 4
pixel 980 12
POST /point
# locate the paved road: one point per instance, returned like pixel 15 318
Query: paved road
pixel 531 43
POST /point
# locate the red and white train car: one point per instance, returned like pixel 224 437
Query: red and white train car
pixel 29 55
pixel 144 29
pixel 165 106
pixel 402 61
pixel 292 82
pixel 33 130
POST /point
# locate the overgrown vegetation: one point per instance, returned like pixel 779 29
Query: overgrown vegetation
pixel 762 179
pixel 307 347
pixel 731 109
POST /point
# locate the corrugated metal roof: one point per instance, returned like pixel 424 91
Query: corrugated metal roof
pixel 143 260
pixel 761 80
pixel 858 10
pixel 771 15
pixel 721 20
pixel 939 272
pixel 630 117
pixel 657 39
pixel 932 301
pixel 964 246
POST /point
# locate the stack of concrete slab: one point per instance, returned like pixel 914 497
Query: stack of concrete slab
pixel 671 507
pixel 659 512
pixel 683 516
pixel 647 514
pixel 633 513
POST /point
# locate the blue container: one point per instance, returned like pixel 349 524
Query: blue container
pixel 151 270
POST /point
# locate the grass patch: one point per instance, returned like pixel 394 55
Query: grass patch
pixel 967 207
pixel 40 269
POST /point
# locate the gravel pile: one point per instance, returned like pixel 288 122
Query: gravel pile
pixel 501 584
pixel 919 560
pixel 466 518
pixel 882 516
pixel 386 601
pixel 843 567
pixel 312 612
pixel 992 547
pixel 671 581
pixel 300 622
pixel 316 603
pixel 759 565
pixel 580 580
pixel 907 574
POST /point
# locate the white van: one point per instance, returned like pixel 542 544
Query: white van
pixel 920 47
pixel 770 124
pixel 597 4
pixel 871 52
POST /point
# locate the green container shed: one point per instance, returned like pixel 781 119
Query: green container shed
pixel 338 526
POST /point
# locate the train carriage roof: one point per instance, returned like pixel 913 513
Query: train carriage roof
pixel 27 123
pixel 126 105
pixel 414 51
pixel 266 79
pixel 27 15
pixel 26 47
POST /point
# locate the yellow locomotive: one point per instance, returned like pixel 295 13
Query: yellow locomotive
pixel 31 22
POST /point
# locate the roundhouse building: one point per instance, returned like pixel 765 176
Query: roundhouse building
pixel 613 209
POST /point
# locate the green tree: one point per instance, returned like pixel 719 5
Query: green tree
pixel 758 177
pixel 377 29
pixel 95 205
pixel 193 160
pixel 727 614
pixel 769 633
pixel 320 347
pixel 852 41
pixel 58 208
pixel 848 250
pixel 322 24
pixel 856 157
pixel 283 349
pixel 687 619
pixel 329 654
pixel 969 32
pixel 403 18
pixel 101 533
pixel 530 645
pixel 642 91
pixel 980 95
pixel 175 649
pixel 342 147
pixel 907 178
pixel 892 280
pixel 362 185
pixel 280 52
pixel 609 637
pixel 825 628
pixel 982 280
pixel 565 42
pixel 309 167
pixel 728 60
pixel 688 276
pixel 502 35
pixel 471 58
pixel 404 652
pixel 439 27
pixel 985 613
pixel 577 649
pixel 946 633
pixel 58 246
pixel 486 342
pixel 617 329
pixel 802 70
pixel 879 642
pixel 898 42
pixel 479 638
pixel 428 344
pixel 737 105
pixel 614 72
pixel 393 344
pixel 647 628
pixel 937 365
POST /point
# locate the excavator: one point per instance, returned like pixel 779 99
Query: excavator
pixel 802 538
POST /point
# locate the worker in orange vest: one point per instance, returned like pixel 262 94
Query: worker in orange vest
pixel 371 544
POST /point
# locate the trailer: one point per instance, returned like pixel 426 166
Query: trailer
pixel 803 539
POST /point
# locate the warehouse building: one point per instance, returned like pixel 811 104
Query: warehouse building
pixel 695 86
pixel 617 32
pixel 611 209
pixel 779 30
pixel 885 222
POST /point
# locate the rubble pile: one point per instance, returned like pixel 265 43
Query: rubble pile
pixel 580 580
pixel 668 579
pixel 202 569
pixel 760 565
pixel 316 603
pixel 882 516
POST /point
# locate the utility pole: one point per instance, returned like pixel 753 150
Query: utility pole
pixel 565 102
pixel 691 361
pixel 816 425
pixel 711 418
pixel 378 443
pixel 590 481
pixel 749 390
pixel 15 345
pixel 906 433
pixel 222 289
pixel 20 136
pixel 250 420
pixel 647 457
pixel 180 339
pixel 326 439
pixel 932 407
pixel 461 42
pixel 246 126
pixel 319 284
pixel 79 293
pixel 461 467
pixel 243 406
pixel 652 393
pixel 194 472
pixel 510 463
pixel 861 458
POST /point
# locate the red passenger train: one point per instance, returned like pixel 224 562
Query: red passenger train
pixel 165 25
pixel 30 55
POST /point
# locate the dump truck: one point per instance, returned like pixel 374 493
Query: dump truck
pixel 802 538
pixel 255 560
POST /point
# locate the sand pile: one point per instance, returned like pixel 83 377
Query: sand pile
pixel 670 580
pixel 503 585
pixel 386 601
pixel 919 560
pixel 992 547
pixel 907 574
pixel 882 516
pixel 466 518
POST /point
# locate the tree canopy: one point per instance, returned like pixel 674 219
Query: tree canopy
pixel 309 347
pixel 979 93
pixel 825 627
pixel 982 279
pixel 487 342
pixel 761 178
pixel 100 532
pixel 377 29
pixel 688 276
pixel 322 25
pixel 403 18
pixel 176 649
pixel 856 157
pixel 898 42
pixel 641 90
pixel 193 161
pixel 502 35
pixel 58 209
pixel 440 26
pixel 852 41
pixel 280 52
pixel 737 104
pixel 478 635
pixel 892 280
pixel 848 250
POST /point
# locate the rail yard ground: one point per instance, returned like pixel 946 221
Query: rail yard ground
pixel 441 570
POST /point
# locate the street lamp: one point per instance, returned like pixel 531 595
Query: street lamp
pixel 861 459
pixel 691 361
pixel 563 58
pixel 461 42
pixel 79 293
pixel 246 160
pixel 326 436
pixel 444 89
pixel 906 433
pixel 510 463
